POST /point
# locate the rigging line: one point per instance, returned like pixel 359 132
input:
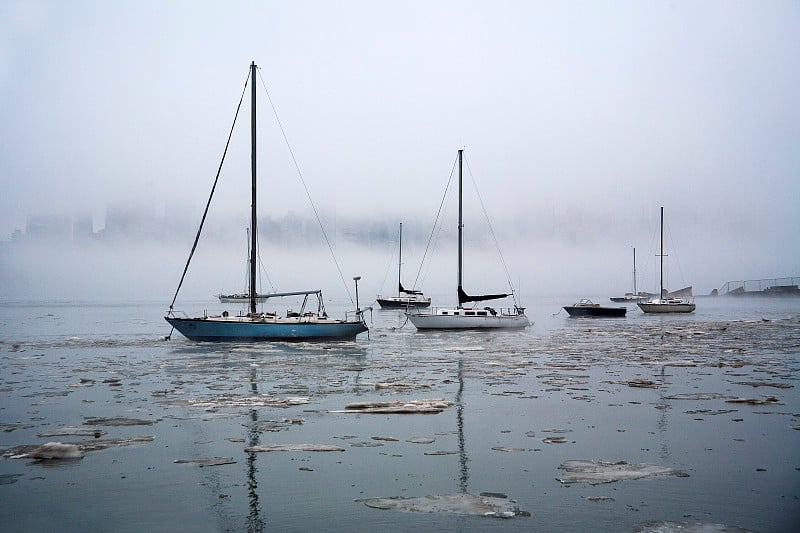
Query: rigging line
pixel 210 196
pixel 492 233
pixel 436 220
pixel 305 187
pixel 262 268
pixel 672 243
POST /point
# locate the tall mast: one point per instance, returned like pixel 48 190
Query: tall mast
pixel 634 272
pixel 460 224
pixel 661 282
pixel 400 261
pixel 253 192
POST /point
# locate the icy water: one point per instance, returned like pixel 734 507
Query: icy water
pixel 705 406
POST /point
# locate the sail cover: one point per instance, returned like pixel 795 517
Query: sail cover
pixel 464 297
pixel 406 291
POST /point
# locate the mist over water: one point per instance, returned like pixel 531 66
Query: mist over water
pixel 579 260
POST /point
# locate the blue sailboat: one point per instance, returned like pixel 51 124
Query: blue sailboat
pixel 305 325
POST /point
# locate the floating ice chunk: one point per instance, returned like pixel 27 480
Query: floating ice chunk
pixel 599 498
pixel 119 422
pixel 596 472
pixel 442 452
pixel 102 444
pixel 464 504
pixel 421 440
pixel 295 448
pixel 207 461
pixel 77 432
pixel 678 527
pixel 754 401
pixel 232 400
pixel 56 450
pixel 427 406
pixel 757 384
pixel 641 383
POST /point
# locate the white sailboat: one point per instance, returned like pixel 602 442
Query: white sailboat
pixel 635 296
pixel 666 303
pixel 461 317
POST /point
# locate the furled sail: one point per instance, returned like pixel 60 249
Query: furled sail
pixel 406 291
pixel 464 297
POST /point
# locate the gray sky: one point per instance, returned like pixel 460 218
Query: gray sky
pixel 598 110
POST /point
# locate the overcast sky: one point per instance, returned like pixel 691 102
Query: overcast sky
pixel 603 110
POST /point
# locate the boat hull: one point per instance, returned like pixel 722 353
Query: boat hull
pixel 238 329
pixel 424 321
pixel 595 311
pixel 630 300
pixel 400 303
pixel 666 307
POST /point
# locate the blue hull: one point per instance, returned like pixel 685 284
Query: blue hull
pixel 199 329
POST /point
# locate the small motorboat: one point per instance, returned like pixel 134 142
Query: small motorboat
pixel 586 308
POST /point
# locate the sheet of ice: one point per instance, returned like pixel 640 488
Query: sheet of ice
pixel 596 472
pixel 426 406
pixel 119 422
pixel 295 448
pixel 466 504
pixel 678 527
pixel 207 461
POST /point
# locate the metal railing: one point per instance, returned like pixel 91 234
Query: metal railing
pixel 757 285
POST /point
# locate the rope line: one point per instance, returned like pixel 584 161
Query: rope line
pixel 305 187
pixel 492 233
pixel 436 222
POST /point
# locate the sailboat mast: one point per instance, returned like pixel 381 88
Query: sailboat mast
pixel 400 261
pixel 661 281
pixel 253 191
pixel 460 222
pixel 634 272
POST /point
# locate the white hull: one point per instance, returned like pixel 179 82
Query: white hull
pixel 666 306
pixel 467 319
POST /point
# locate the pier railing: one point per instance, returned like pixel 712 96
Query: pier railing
pixel 758 285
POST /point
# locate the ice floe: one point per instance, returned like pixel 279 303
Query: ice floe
pixel 56 450
pixel 464 504
pixel 294 448
pixel 769 400
pixel 207 461
pixel 421 440
pixel 119 422
pixel 596 472
pixel 427 406
pixel 679 527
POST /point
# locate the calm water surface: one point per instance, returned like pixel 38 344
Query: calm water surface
pixel 643 389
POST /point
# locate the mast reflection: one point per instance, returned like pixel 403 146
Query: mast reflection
pixel 254 522
pixel 462 452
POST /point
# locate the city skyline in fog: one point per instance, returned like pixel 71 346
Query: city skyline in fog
pixel 579 120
